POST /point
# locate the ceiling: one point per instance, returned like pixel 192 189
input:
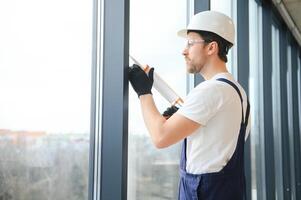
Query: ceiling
pixel 293 7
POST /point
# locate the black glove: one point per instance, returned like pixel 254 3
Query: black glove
pixel 141 82
pixel 170 111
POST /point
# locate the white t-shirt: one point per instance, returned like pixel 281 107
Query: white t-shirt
pixel 217 107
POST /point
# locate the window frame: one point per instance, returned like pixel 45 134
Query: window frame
pixel 108 166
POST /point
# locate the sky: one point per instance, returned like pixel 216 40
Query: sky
pixel 45 65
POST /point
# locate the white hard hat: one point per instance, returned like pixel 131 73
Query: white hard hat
pixel 211 21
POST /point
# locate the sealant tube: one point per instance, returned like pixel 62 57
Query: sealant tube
pixel 162 87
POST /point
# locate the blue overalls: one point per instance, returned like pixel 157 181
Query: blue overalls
pixel 227 184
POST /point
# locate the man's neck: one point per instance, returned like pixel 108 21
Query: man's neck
pixel 213 68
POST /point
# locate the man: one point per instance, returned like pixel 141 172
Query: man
pixel 213 121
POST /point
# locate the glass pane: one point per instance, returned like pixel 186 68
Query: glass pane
pixel 228 7
pixel 290 120
pixel 276 102
pixel 45 69
pixel 256 97
pixel 152 173
pixel 299 89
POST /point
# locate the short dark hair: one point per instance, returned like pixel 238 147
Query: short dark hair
pixel 223 45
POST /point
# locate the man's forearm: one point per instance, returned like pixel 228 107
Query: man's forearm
pixel 153 119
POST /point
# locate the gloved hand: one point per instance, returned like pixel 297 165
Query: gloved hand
pixel 141 82
pixel 170 111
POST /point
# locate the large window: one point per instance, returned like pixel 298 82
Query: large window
pixel 152 173
pixel 290 120
pixel 256 98
pixel 45 70
pixel 299 87
pixel 277 117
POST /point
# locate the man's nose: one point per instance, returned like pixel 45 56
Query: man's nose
pixel 185 51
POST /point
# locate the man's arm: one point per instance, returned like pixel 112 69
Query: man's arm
pixel 165 132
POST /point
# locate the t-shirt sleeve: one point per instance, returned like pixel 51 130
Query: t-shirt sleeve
pixel 202 103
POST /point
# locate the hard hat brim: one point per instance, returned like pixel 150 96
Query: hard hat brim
pixel 182 33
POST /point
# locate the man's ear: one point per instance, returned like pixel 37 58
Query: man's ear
pixel 212 48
